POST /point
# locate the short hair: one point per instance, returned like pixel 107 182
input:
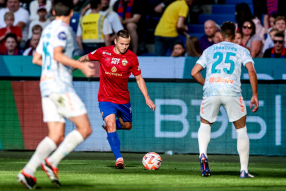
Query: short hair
pixel 179 43
pixel 62 7
pixel 227 30
pixel 280 34
pixel 94 3
pixel 11 35
pixel 37 27
pixel 123 34
pixel 279 18
pixel 273 30
pixel 9 15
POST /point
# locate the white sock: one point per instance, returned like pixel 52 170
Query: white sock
pixel 44 149
pixel 204 137
pixel 243 148
pixel 72 140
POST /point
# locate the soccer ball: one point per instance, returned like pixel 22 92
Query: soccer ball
pixel 152 161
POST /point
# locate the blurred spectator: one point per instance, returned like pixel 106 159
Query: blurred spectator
pixel 80 5
pixel 162 6
pixel 21 16
pixel 25 4
pixel 11 45
pixel 9 20
pixel 2 4
pixel 178 50
pixel 207 39
pixel 37 29
pixel 243 13
pixel 35 5
pixel 33 45
pixel 269 22
pixel 42 21
pixel 280 25
pixel 89 32
pixel 172 21
pixel 111 15
pixel 193 47
pixel 250 39
pixel 238 38
pixel 217 37
pixel 278 51
pixel 133 17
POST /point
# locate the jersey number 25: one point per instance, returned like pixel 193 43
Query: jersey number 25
pixel 227 60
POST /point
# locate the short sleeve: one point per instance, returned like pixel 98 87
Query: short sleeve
pixel 202 60
pixel 60 38
pixel 106 29
pixel 136 71
pixel 115 22
pixel 39 48
pixel 184 10
pixel 246 57
pixel 95 55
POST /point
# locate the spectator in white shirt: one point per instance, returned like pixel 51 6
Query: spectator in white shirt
pixel 33 45
pixel 42 21
pixel 21 17
pixel 35 5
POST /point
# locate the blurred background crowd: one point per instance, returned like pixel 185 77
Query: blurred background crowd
pixel 176 28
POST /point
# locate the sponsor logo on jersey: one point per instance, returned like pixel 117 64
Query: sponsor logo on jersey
pixel 124 62
pixel 113 69
pixel 220 80
pixel 62 36
pixel 115 60
pixel 107 53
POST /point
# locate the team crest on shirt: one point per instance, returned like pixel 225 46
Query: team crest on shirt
pixel 124 62
pixel 113 69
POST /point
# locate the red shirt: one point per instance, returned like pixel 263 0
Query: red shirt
pixel 114 74
pixel 15 30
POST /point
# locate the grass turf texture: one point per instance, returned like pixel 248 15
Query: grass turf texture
pixel 95 171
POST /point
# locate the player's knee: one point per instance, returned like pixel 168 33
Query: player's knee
pixel 57 139
pixel 110 124
pixel 128 126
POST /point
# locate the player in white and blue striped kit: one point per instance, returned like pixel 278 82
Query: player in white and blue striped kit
pixel 59 100
pixel 223 63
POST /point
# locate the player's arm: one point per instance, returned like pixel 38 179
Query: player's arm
pixel 142 86
pixel 84 58
pixel 65 60
pixel 196 74
pixel 37 59
pixel 181 26
pixel 253 82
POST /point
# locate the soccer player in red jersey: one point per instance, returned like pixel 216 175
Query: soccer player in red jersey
pixel 116 65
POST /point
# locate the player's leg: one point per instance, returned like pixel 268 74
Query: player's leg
pixel 124 115
pixel 236 111
pixel 208 112
pixel 56 124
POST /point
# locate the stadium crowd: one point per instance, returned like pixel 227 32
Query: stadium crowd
pixel 22 22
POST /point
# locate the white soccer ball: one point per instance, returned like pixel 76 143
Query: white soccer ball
pixel 152 161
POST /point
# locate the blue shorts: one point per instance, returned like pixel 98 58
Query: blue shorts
pixel 120 110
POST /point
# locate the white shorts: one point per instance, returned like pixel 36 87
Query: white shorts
pixel 57 106
pixel 234 106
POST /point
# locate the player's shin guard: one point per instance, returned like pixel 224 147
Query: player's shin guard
pixel 118 125
pixel 72 140
pixel 114 143
pixel 44 149
pixel 204 137
pixel 243 148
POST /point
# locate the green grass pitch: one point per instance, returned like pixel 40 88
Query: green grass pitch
pixel 82 171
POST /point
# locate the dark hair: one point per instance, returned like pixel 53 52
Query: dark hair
pixel 11 35
pixel 37 27
pixel 253 27
pixel 274 15
pixel 62 7
pixel 280 34
pixel 179 43
pixel 242 13
pixel 94 3
pixel 227 30
pixel 193 47
pixel 123 34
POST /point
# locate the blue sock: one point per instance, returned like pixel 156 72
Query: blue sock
pixel 114 143
pixel 118 125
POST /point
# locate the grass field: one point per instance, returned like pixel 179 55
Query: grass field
pixel 95 171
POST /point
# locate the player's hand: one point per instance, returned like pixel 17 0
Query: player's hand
pixel 254 101
pixel 87 69
pixel 82 59
pixel 150 103
pixel 158 9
